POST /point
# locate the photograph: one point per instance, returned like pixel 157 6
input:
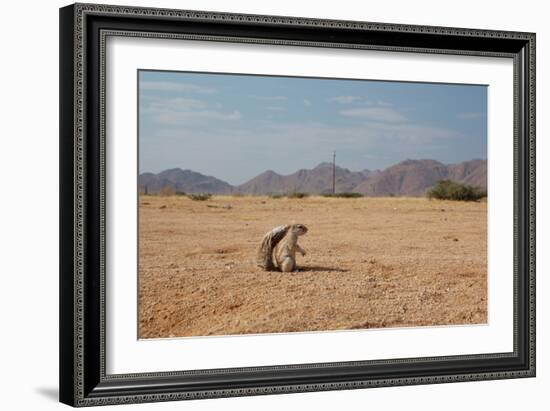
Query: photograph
pixel 279 204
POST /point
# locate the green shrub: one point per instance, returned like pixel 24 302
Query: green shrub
pixel 276 196
pixel 200 197
pixel 297 194
pixel 451 190
pixel 343 195
pixel 181 193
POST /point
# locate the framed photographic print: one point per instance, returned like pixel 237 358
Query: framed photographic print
pixel 262 204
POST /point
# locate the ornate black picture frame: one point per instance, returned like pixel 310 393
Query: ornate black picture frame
pixel 83 30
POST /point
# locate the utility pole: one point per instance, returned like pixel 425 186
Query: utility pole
pixel 334 172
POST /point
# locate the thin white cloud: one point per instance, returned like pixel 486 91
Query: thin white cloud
pixel 270 98
pixel 383 114
pixel 175 87
pixel 469 115
pixel 344 99
pixel 307 102
pixel 176 111
pixel 178 118
pixel 413 133
pixel 174 104
pixel 355 136
pixel 275 108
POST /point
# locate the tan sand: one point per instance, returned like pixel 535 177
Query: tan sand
pixel 370 263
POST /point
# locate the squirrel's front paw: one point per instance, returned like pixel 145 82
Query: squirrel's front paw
pixel 303 252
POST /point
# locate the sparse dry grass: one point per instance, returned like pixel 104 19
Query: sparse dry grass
pixel 371 262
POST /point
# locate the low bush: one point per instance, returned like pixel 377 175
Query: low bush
pixel 297 195
pixel 200 197
pixel 276 196
pixel 451 190
pixel 343 195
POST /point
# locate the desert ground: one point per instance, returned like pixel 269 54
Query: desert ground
pixel 370 263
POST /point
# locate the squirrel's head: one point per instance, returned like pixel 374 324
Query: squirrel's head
pixel 298 229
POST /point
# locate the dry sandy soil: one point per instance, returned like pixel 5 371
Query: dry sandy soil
pixel 370 263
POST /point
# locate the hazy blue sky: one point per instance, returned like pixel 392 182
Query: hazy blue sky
pixel 236 126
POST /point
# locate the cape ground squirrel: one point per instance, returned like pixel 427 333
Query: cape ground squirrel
pixel 283 251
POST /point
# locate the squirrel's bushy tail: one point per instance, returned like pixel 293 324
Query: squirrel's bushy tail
pixel 269 242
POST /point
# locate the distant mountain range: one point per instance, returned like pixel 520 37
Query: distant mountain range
pixel 408 178
pixel 183 180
